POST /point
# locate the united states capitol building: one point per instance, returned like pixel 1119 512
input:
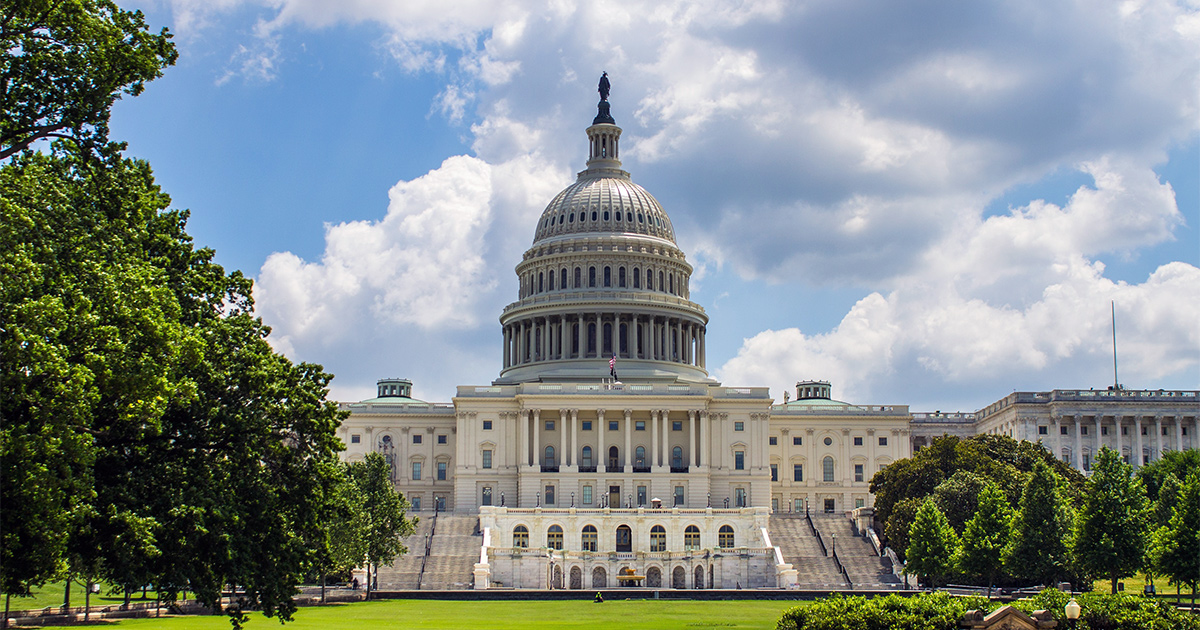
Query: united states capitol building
pixel 605 455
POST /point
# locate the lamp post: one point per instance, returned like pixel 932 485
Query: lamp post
pixel 572 499
pixel 708 501
pixel 501 498
pixel 538 499
pixel 1072 610
pixel 833 546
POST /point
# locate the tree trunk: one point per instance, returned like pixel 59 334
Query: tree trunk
pixel 87 601
pixel 67 595
pixel 7 597
pixel 322 587
pixel 1114 583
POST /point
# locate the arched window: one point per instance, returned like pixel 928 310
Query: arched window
pixel 639 456
pixel 725 537
pixel 578 278
pixel 562 278
pixel 606 215
pixel 637 278
pixel 827 468
pixel 677 457
pixel 591 276
pixel 520 536
pixel 621 277
pixel 550 280
pixel 658 538
pixel 590 536
pixel 541 282
pixel 593 215
pixel 591 339
pixel 608 276
pixel 624 538
pixel 554 537
pixel 661 285
pixel 629 217
pixel 691 538
pixel 614 459
pixel 549 456
pixel 607 339
pixel 671 282
pixel 649 279
pixel 587 456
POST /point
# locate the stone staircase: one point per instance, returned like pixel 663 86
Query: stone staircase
pixel 865 567
pixel 800 548
pixel 404 573
pixel 453 552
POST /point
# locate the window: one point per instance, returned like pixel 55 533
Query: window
pixel 355 438
pixel 639 425
pixel 677 457
pixel 549 425
pixel 1082 430
pixel 1125 431
pixel 797 505
pixel 1144 431
pixel 773 441
pixel 739 460
pixel 487 458
pixel 677 425
pixel 587 425
pixel 590 536
pixel 1103 430
pixel 774 472
pixel 614 425
pixel 858 503
pixel 858 472
pixel 739 497
pixel 613 457
pixel 883 441
pixel 549 456
pixel 554 537
pixel 1164 430
pixel 827 466
pixel 578 280
pixel 725 537
pixel 620 275
pixel 1065 430
pixel 416 438
pixel 487 495
pixel 691 538
pixel 441 439
pixel 797 441
pixel 608 276
pixel 641 495
pixel 678 495
pixel 550 497
pixel 739 426
pixel 416 470
pixel 587 495
pixel 1087 461
pixel 637 273
pixel 416 503
pixel 858 441
pixel 828 441
pixel 658 538
pixel 639 456
pixel 487 425
pixel 1043 430
pixel 624 538
pixel 797 472
pixel 586 459
pixel 591 276
pixel 441 471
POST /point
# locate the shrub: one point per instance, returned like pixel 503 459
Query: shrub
pixel 1102 611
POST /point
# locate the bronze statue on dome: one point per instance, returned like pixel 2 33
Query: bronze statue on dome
pixel 604 86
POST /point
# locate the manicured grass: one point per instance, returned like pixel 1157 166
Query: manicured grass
pixel 51 594
pixel 504 615
pixel 1136 583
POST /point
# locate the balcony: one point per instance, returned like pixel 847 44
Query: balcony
pixel 679 469
pixel 587 469
pixel 641 469
pixel 613 468
pixel 549 469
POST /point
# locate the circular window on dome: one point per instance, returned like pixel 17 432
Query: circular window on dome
pixel 606 215
pixel 593 215
pixel 828 441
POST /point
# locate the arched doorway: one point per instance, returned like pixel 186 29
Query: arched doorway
pixel 699 578
pixel 557 580
pixel 624 538
pixel 654 577
pixel 614 459
pixel 679 578
pixel 599 578
pixel 576 578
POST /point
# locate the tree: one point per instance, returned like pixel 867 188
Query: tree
pixel 1111 528
pixel 384 523
pixel 903 515
pixel 932 544
pixel 65 62
pixel 1178 556
pixel 985 536
pixel 1168 498
pixel 1037 548
pixel 1171 464
pixel 958 497
pixel 344 545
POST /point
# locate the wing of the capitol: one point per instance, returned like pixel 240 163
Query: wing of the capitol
pixel 605 455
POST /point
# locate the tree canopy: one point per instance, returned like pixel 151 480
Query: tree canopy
pixel 932 544
pixel 986 535
pixel 1037 548
pixel 1112 526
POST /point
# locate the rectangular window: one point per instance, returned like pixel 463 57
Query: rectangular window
pixel 774 472
pixel 739 426
pixel 827 469
pixel 549 495
pixel 797 441
pixel 677 425
pixel 487 495
pixel 614 425
pixel 798 505
pixel 416 471
pixel 355 438
pixel 1103 430
pixel 1082 430
pixel 487 425
pixel 678 495
pixel 1125 431
pixel 1184 430
pixel 441 471
pixel 1164 430
pixel 416 504
pixel 416 438
pixel 773 440
pixel 587 425
pixel 739 497
pixel 883 441
pixel 1145 431
pixel 858 472
pixel 1087 461
pixel 858 441
pixel 487 458
pixel 1043 430
pixel 798 472
pixel 739 460
pixel 639 425
pixel 549 425
pixel 441 439
pixel 587 495
pixel 858 503
pixel 1063 430
pixel 641 495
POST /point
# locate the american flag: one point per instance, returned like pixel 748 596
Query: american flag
pixel 612 366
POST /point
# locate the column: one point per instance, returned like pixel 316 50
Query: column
pixel 654 438
pixel 1137 430
pixel 507 343
pixel 602 455
pixel 705 440
pixel 1078 456
pixel 524 430
pixel 599 337
pixel 811 473
pixel 703 349
pixel 1099 437
pixel 693 451
pixel 563 457
pixel 537 437
pixel 628 437
pixel 1178 433
pixel 724 433
pixel 579 334
pixel 633 337
pixel 872 443
pixel 1157 438
pixel 544 347
pixel 574 436
pixel 1057 437
pixel 664 455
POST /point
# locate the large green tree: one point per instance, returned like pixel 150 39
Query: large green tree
pixel 1037 549
pixel 1175 464
pixel 1111 528
pixel 1178 555
pixel 63 63
pixel 985 536
pixel 932 544
pixel 384 522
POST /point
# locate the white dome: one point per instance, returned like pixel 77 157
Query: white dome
pixel 606 202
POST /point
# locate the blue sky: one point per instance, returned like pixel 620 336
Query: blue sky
pixel 930 204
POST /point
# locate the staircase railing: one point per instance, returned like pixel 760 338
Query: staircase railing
pixel 842 569
pixel 816 533
pixel 428 545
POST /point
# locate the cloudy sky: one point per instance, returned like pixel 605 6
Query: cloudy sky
pixel 927 203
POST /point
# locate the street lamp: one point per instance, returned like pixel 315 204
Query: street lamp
pixel 572 499
pixel 501 498
pixel 538 497
pixel 709 501
pixel 1072 610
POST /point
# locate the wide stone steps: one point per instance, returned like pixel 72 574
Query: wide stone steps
pixel 404 571
pixel 800 549
pixel 862 564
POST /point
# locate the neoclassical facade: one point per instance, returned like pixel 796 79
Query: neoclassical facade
pixel 604 446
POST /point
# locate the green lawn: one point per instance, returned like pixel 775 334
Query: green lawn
pixel 417 614
pixel 1136 583
pixel 51 594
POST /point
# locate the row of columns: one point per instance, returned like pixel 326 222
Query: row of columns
pixel 551 338
pixel 699 442
pixel 1022 429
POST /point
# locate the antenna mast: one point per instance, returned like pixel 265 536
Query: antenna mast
pixel 1116 381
